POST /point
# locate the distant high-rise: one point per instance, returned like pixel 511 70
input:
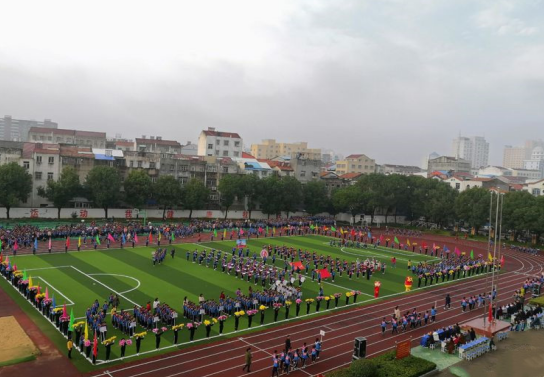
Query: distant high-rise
pixel 17 129
pixel 474 149
pixel 513 157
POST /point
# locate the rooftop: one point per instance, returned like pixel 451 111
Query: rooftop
pixel 60 131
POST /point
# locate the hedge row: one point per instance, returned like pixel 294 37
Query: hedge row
pixel 386 365
pixel 538 300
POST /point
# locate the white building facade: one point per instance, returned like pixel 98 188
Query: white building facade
pixel 219 144
pixel 474 149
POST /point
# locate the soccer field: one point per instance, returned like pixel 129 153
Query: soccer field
pixel 78 278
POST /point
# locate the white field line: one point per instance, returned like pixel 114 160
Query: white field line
pixel 56 290
pixel 104 285
pixel 124 276
pixel 45 268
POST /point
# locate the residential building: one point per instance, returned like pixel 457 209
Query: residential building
pixel 306 168
pixel 448 164
pixel 149 161
pixel 42 161
pixel 269 149
pixel 250 165
pixel 536 188
pixel 157 145
pixel 280 168
pixel 189 149
pixel 330 156
pixel 474 149
pixel 80 158
pixel 124 146
pixel 388 169
pixel 17 129
pixel 356 163
pixel 462 183
pixel 350 178
pixel 63 136
pixel 332 181
pixel 513 157
pixel 527 174
pixel 10 151
pixel 219 144
pixel 425 161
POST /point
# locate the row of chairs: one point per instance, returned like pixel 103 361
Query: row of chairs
pixel 477 351
pixel 502 336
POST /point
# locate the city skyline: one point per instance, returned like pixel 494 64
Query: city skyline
pixel 394 80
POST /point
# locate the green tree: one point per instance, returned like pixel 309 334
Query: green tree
pixel 315 196
pixel 229 188
pixel 138 188
pixel 168 192
pixel 250 189
pixel 15 185
pixel 104 187
pixel 440 202
pixel 349 199
pixel 195 196
pixel 270 195
pixel 60 192
pixel 291 194
pixel 518 213
pixel 472 207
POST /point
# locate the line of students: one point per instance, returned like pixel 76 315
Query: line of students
pixel 290 360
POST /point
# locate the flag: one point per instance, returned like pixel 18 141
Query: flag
pixel 24 275
pixel 225 233
pixel 123 239
pixel 95 346
pixel 502 261
pixel 424 245
pixel 490 314
pixel 274 230
pixel 457 251
pixel 64 311
pixel 79 242
pixel 36 243
pixel 396 240
pixel 471 254
pixel 333 229
pixel 30 282
pixel 353 232
pixel 50 243
pixel 16 246
pixel 241 232
pixel 0 249
pixel 1 256
pixel 298 265
pixel 312 227
pixel 445 248
pixel 46 293
pixel 369 235
pixel 71 324
pixel 489 256
pixel 408 242
pixel 67 242
pixel 160 235
pixel 215 232
pixel 135 238
pixel 54 302
pixel 260 229
pixel 150 237
pixel 267 229
pixel 173 236
pixel 381 238
pixel 324 273
pixel 97 240
pixel 110 237
pixel 86 331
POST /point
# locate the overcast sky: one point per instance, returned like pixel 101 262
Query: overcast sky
pixel 394 79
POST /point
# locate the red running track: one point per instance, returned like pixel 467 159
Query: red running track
pixel 226 358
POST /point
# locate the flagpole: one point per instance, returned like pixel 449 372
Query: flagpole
pixel 497 239
pixel 491 192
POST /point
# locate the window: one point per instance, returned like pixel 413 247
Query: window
pixel 139 164
pixel 218 142
pixel 49 176
pixel 131 163
pixel 226 143
pixel 184 167
pixel 303 173
pixel 236 154
pixel 34 137
pixel 225 169
pixel 59 139
pixel 51 160
pixel 26 164
pixel 458 186
pixel 151 165
pixel 38 159
pixel 237 144
pixel 225 153
pixel 38 175
pixel 536 191
pixel 210 146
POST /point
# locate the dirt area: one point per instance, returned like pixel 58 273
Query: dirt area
pixel 15 343
pixel 519 355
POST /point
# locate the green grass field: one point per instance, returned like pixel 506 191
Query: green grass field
pixel 78 278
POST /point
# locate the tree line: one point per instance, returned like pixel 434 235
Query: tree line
pixel 413 197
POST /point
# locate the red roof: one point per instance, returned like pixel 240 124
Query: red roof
pixel 351 175
pixel 158 142
pixel 221 134
pixel 355 156
pixel 246 155
pixel 91 134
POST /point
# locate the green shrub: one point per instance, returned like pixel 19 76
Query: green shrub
pixel 538 300
pixel 363 368
pixel 386 365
